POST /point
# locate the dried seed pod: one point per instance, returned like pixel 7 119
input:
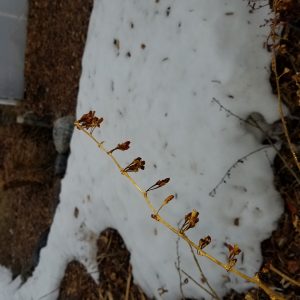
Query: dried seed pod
pixel 89 121
pixel 135 165
pixel 233 250
pixel 191 219
pixel 166 201
pixel 123 147
pixel 204 242
pixel 158 184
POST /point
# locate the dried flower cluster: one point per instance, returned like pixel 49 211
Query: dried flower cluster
pixel 135 165
pixel 89 121
pixel 123 147
pixel 234 251
pixel 204 242
pixel 158 184
pixel 190 221
pixel 165 202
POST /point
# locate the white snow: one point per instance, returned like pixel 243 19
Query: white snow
pixel 160 99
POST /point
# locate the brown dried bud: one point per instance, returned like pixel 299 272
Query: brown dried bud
pixel 89 121
pixel 162 182
pixel 123 147
pixel 233 250
pixel 136 164
pixel 158 184
pixel 191 219
pixel 155 217
pixel 168 199
pixel 204 242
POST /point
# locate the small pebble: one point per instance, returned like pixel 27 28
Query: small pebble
pixel 62 133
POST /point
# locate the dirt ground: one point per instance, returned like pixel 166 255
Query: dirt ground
pixel 29 188
pixel 115 274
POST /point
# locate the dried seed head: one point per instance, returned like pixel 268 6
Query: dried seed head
pixel 158 184
pixel 162 182
pixel 204 242
pixel 233 250
pixel 123 147
pixel 89 121
pixel 135 165
pixel 191 219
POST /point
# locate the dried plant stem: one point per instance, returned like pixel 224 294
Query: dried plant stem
pixel 178 267
pixel 255 279
pixel 287 278
pixel 275 36
pixel 227 174
pixel 128 284
pixel 280 108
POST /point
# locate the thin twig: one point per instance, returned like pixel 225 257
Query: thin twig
pixel 128 283
pixel 197 283
pixel 42 297
pixel 284 276
pixel 178 268
pixel 222 107
pixel 241 160
pixel 280 106
pixel 268 138
pixel 203 275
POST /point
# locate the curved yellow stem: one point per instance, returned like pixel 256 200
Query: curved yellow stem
pixel 255 279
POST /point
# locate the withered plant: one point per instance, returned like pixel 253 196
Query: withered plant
pixel 87 124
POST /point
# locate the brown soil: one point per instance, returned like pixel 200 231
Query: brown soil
pixel 116 280
pixel 56 37
pixel 29 190
pixel 78 284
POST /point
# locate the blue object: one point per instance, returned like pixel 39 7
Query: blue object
pixel 13 22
